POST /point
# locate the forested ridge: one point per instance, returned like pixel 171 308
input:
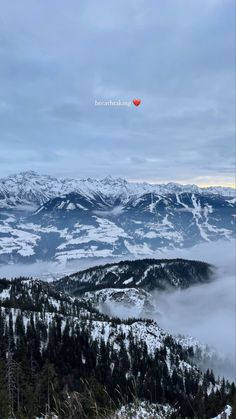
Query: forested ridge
pixel 148 274
pixel 53 347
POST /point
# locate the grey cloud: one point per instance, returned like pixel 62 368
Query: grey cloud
pixel 56 59
pixel 65 111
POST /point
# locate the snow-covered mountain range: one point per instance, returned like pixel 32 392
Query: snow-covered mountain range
pixel 45 218
pixel 31 188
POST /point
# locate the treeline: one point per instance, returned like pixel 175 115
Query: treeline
pixel 37 296
pixel 152 274
pixel 41 365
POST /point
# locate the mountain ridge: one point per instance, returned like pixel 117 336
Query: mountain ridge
pixel 53 336
pixel 31 188
pixel 146 274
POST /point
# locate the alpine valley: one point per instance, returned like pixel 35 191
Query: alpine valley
pixel 43 218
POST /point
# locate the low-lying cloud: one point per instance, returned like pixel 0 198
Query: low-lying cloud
pixel 206 312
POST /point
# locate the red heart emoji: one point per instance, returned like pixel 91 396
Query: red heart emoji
pixel 136 102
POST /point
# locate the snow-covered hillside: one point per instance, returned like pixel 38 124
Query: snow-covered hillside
pixel 125 290
pixel 125 302
pixel 40 300
pixel 136 354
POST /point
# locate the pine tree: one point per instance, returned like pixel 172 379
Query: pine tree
pixel 4 400
pixel 47 387
pixel 233 414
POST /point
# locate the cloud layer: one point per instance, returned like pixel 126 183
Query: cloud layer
pixel 57 58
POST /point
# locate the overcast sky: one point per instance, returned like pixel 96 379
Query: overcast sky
pixel 178 56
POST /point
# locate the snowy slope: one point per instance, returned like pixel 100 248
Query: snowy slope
pixel 28 303
pixel 38 299
pixel 132 301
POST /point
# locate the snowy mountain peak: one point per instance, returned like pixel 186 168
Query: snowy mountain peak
pixel 31 188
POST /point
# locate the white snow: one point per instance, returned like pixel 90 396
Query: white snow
pixel 225 414
pixel 17 240
pixel 125 301
pixel 29 188
pixel 5 294
pixel 127 281
pixel 143 410
pixel 104 235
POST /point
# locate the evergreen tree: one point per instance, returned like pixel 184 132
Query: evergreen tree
pixel 4 399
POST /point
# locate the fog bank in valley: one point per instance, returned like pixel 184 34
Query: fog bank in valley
pixel 206 311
